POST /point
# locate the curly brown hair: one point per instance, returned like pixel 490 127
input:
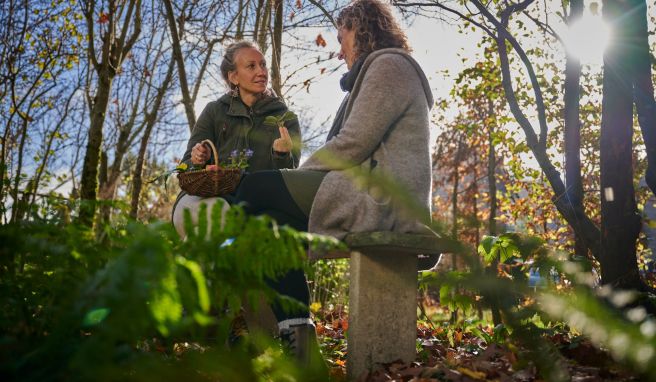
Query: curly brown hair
pixel 374 26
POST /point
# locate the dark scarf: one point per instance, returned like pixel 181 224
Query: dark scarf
pixel 346 82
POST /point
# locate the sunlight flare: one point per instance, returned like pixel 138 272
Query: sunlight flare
pixel 588 38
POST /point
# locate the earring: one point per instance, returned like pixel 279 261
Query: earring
pixel 234 93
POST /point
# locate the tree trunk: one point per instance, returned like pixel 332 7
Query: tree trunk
pixel 620 221
pixel 644 89
pixel 573 130
pixel 103 172
pixel 89 180
pixel 18 207
pixel 264 27
pixel 179 59
pixel 276 81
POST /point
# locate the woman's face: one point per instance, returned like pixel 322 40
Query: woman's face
pixel 346 38
pixel 251 73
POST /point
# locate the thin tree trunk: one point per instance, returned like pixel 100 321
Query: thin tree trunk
pixel 276 81
pixel 454 192
pixel 151 119
pixel 46 156
pixel 620 221
pixel 241 21
pixel 572 134
pixel 474 191
pixel 491 222
pixel 264 27
pixel 258 20
pixel 454 214
pixel 179 59
pixel 491 175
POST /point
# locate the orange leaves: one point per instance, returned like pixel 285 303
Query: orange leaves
pixel 340 322
pixel 320 41
pixel 320 329
pixel 103 18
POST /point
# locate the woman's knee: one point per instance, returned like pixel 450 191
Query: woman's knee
pixel 192 204
pixel 256 187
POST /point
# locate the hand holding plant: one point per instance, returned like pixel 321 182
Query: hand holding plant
pixel 284 144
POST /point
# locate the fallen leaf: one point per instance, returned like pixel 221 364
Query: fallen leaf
pixel 472 373
pixel 451 357
pixel 457 337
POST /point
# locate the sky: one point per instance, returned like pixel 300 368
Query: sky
pixel 437 46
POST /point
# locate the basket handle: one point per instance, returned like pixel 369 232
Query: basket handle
pixel 216 154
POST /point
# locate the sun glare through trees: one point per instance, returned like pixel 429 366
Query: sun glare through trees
pixel 588 38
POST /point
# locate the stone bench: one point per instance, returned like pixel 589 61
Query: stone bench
pixel 383 295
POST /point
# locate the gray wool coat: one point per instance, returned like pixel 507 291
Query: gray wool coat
pixel 385 130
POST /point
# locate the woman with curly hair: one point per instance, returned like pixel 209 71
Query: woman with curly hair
pixel 381 127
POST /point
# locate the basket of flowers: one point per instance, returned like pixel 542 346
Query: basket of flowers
pixel 213 179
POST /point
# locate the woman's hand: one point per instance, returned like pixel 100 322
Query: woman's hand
pixel 200 154
pixel 283 144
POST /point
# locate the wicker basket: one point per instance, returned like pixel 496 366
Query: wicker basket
pixel 210 183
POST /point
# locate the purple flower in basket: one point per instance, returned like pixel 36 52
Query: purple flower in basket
pixel 239 159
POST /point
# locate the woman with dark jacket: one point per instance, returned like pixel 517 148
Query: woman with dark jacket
pixel 235 124
pixel 382 126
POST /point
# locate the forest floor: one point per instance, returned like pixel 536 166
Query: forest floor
pixel 448 354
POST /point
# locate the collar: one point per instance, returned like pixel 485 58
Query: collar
pixel 348 79
pixel 237 107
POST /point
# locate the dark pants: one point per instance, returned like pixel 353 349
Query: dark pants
pixel 265 193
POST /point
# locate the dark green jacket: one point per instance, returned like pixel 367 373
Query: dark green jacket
pixel 231 125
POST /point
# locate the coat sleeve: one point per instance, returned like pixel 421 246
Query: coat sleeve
pixel 204 129
pixel 291 159
pixel 385 93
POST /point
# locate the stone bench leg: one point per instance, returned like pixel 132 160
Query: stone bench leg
pixel 382 310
